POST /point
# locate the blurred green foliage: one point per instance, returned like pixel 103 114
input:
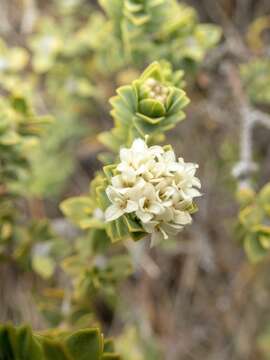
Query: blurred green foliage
pixel 256 80
pixel 21 343
pixel 139 32
pixel 254 217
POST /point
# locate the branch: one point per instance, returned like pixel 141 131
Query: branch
pixel 261 118
pixel 246 166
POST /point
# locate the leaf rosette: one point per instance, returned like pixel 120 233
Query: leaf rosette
pixel 150 106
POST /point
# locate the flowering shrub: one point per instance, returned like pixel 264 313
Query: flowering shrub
pixel 153 187
pixel 71 77
pixel 149 191
pixel 143 190
pixel 72 56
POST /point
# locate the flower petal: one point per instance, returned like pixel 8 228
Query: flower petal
pixel 113 212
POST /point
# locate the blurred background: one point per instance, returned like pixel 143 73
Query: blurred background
pixel 194 297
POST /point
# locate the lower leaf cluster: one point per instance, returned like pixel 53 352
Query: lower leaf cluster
pixel 21 343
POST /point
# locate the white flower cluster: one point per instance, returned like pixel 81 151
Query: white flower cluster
pixel 156 187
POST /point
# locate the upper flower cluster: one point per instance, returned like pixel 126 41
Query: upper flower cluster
pixel 155 187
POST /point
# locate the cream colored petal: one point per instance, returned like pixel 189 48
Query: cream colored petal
pixel 171 229
pixel 139 145
pixel 182 217
pixel 132 206
pixel 156 208
pixel 156 238
pixel 113 194
pixel 125 155
pixel 150 226
pixel 144 216
pixel 113 212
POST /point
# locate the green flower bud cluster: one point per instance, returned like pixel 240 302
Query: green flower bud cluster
pixel 155 90
pixel 150 106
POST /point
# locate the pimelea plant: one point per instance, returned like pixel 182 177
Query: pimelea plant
pixel 143 191
pixel 148 191
pixel 70 78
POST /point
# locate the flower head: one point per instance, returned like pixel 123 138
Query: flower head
pixel 155 187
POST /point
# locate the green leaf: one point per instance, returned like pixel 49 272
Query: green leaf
pixel 53 349
pixel 111 357
pixel 10 138
pixel 122 228
pixel 107 139
pixel 21 344
pixel 251 216
pixel 43 266
pixel 264 196
pixel 77 209
pixel 133 225
pixel 27 344
pixel 152 71
pixel 85 344
pixel 7 342
pixel 108 346
pixel 102 197
pixel 208 35
pixel 20 105
pixel 109 170
pixel 253 248
pixel 117 230
pixel 129 96
pixel 152 108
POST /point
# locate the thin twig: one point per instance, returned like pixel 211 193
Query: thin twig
pixel 246 166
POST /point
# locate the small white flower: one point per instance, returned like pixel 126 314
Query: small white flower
pixel 155 187
pixel 120 204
